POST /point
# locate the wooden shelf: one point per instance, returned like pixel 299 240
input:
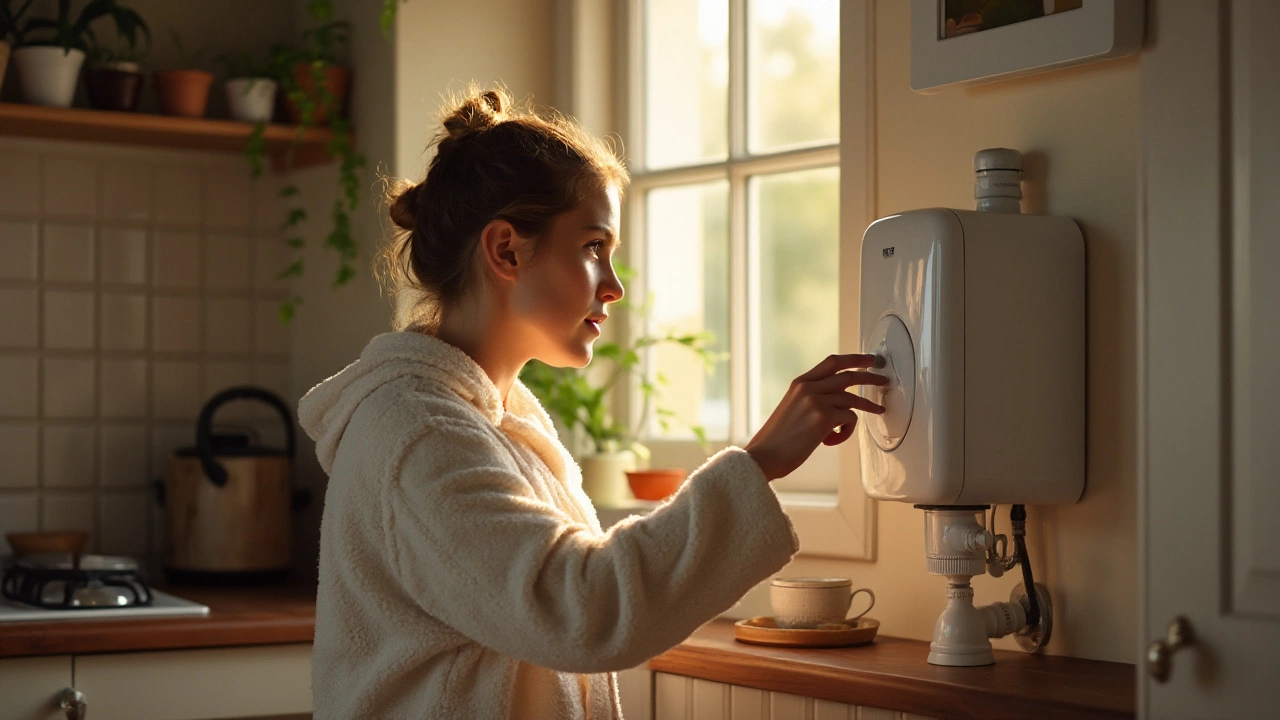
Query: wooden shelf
pixel 163 131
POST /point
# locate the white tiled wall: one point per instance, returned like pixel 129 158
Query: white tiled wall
pixel 134 284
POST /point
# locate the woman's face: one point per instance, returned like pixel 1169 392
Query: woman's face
pixel 563 296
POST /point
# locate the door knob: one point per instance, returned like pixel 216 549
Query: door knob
pixel 1160 653
pixel 73 703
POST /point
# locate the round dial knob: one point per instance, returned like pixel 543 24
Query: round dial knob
pixel 891 340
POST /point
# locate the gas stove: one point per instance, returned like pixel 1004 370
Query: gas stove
pixel 65 586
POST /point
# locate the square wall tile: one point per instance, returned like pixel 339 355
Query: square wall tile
pixel 124 388
pixel 122 520
pixel 165 441
pixel 124 456
pixel 175 261
pixel 272 335
pixel 18 449
pixel 219 376
pixel 18 385
pixel 69 387
pixel 228 329
pixel 126 190
pixel 68 253
pixel 19 182
pixel 176 390
pixel 18 513
pixel 124 321
pixel 268 206
pixel 227 197
pixel 18 247
pixel 70 511
pixel 18 319
pixel 226 262
pixel 276 378
pixel 68 320
pixel 70 186
pixel 175 324
pixel 177 195
pixel 69 457
pixel 124 255
pixel 270 257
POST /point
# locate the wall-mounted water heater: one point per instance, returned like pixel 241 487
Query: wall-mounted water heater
pixel 978 320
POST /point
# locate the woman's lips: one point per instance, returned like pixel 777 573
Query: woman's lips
pixel 593 325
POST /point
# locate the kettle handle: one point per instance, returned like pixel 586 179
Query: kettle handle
pixel 204 444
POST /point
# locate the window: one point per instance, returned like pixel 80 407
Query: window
pixel 734 219
pixel 735 205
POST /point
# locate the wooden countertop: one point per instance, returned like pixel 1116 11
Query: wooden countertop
pixel 892 673
pixel 237 616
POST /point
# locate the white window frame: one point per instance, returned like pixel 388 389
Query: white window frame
pixel 840 524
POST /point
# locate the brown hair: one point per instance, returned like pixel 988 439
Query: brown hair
pixel 492 162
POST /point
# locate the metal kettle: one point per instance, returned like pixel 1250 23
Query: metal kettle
pixel 229 501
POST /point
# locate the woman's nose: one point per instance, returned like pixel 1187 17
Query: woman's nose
pixel 611 289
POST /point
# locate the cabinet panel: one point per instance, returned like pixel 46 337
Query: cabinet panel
pixel 710 700
pixel 635 693
pixel 748 703
pixel 784 706
pixel 671 696
pixel 197 684
pixel 29 687
pixel 828 710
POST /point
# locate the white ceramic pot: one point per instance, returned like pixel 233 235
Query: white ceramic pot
pixel 604 477
pixel 48 74
pixel 251 99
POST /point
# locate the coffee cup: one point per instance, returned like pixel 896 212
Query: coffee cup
pixel 808 602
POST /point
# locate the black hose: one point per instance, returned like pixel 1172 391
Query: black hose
pixel 1018 518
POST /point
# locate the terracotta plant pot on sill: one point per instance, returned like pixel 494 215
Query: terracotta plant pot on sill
pixel 655 483
pixel 336 80
pixel 184 93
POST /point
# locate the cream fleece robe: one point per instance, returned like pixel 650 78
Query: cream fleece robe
pixel 463 572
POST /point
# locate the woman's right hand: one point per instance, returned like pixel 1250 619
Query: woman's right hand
pixel 816 402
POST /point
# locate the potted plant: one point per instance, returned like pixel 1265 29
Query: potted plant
pixel 49 51
pixel 183 91
pixel 251 87
pixel 577 404
pixel 114 77
pixel 317 77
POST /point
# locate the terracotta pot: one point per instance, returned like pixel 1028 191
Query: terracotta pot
pixel 48 74
pixel 336 80
pixel 114 89
pixel 655 484
pixel 183 92
pixel 4 61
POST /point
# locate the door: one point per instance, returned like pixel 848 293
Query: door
pixel 1210 427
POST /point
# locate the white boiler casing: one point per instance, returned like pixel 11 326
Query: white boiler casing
pixel 981 319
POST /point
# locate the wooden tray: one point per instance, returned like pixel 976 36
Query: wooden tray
pixel 764 630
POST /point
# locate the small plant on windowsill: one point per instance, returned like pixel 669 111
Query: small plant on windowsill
pixel 577 403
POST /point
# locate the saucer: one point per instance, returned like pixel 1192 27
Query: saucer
pixel 764 630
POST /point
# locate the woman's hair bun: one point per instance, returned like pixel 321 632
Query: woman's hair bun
pixel 404 207
pixel 477 112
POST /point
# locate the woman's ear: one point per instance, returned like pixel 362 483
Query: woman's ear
pixel 503 250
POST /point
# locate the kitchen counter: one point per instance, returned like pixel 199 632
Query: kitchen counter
pixel 893 673
pixel 264 615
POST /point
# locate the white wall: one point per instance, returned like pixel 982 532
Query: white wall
pixel 1079 130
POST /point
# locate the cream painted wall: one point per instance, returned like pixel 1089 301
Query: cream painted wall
pixel 1079 129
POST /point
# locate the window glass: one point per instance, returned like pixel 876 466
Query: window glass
pixel 686 82
pixel 687 258
pixel 793 73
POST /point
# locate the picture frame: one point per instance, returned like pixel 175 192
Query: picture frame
pixel 1071 32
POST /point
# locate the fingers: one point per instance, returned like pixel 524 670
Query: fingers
pixel 857 402
pixel 835 363
pixel 842 380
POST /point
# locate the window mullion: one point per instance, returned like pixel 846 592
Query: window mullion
pixel 743 344
pixel 737 79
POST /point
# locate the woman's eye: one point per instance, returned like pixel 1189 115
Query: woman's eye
pixel 596 246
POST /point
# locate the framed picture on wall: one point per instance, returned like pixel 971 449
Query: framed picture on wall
pixel 955 43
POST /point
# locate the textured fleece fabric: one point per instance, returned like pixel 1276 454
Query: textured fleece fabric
pixel 463 571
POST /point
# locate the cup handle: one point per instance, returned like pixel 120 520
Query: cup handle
pixel 871 605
